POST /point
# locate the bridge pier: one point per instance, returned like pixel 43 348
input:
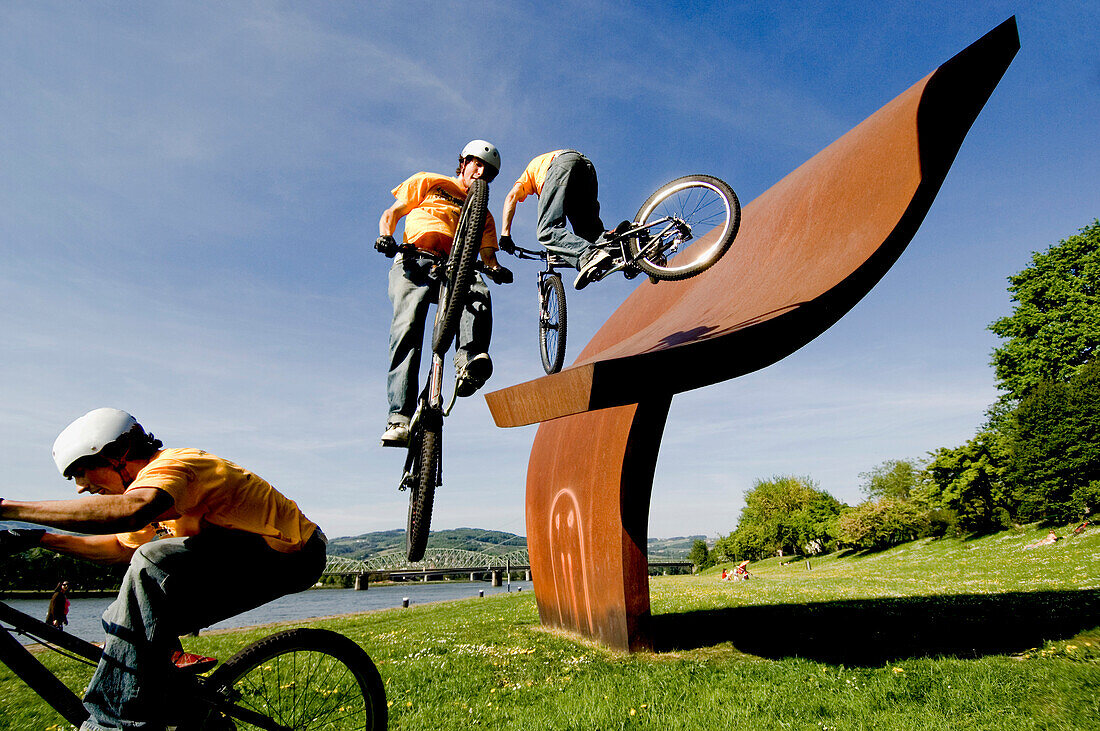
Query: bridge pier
pixel 362 582
pixel 496 578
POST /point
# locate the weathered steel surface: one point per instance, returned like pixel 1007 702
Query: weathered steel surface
pixel 808 250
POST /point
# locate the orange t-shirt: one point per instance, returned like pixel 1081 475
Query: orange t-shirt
pixel 530 183
pixel 435 202
pixel 208 489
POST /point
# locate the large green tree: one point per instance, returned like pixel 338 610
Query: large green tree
pixel 1054 448
pixel 781 514
pixel 1054 328
pixel 894 478
pixel 881 523
pixel 969 482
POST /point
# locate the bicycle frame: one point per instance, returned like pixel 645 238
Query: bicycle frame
pixel 623 260
pixel 21 661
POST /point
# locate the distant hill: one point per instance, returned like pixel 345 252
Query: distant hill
pixel 483 541
pixel 493 542
pixel 671 549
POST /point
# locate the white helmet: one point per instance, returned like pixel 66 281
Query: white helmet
pixel 88 435
pixel 487 152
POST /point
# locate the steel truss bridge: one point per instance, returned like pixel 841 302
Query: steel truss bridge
pixel 443 561
pixel 435 561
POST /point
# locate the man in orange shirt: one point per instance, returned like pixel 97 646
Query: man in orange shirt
pixel 205 540
pixel 430 204
pixel 566 186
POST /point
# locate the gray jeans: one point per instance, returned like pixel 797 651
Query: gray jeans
pixel 570 191
pixel 175 586
pixel 411 290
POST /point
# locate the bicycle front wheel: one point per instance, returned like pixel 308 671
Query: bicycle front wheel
pixel 304 679
pixel 425 474
pixel 460 269
pixel 552 323
pixel 691 223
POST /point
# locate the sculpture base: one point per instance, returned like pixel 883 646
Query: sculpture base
pixel 588 489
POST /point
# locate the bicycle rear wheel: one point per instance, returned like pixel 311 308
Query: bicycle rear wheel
pixel 703 215
pixel 425 473
pixel 552 323
pixel 460 269
pixel 304 679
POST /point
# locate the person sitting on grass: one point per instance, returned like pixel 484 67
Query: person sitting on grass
pixel 1048 540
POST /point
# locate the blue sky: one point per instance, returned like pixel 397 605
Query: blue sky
pixel 189 193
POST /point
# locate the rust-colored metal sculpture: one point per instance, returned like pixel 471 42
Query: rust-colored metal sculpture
pixel 808 250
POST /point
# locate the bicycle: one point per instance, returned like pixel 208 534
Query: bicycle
pixel 423 471
pixel 661 242
pixel 293 680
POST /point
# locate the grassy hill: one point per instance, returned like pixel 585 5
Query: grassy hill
pixel 931 635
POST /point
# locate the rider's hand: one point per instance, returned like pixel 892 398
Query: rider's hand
pixel 386 245
pixel 507 245
pixel 499 274
pixel 18 540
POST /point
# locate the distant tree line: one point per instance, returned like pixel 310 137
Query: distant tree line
pixel 1036 458
pixel 42 570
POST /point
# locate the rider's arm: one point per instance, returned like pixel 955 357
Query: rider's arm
pixel 100 549
pixel 509 212
pixel 388 223
pixel 489 256
pixel 98 514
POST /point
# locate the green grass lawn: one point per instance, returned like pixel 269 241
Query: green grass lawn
pixel 948 634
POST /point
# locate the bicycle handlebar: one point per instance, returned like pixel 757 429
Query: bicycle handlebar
pixel 521 253
pixel 498 276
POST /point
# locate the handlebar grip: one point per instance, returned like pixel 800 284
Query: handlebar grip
pixel 18 540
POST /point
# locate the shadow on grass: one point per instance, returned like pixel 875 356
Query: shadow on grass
pixel 875 631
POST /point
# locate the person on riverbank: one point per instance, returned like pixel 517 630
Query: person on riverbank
pixel 58 613
pixel 188 523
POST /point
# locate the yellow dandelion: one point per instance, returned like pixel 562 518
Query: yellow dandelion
pixel 898 670
pixel 632 711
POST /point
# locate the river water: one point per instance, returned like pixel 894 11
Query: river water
pixel 84 613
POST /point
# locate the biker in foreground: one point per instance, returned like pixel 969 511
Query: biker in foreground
pixel 566 186
pixel 430 204
pixel 205 540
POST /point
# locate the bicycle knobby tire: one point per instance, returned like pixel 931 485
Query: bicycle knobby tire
pixel 464 251
pixel 703 202
pixel 552 323
pixel 305 679
pixel 427 473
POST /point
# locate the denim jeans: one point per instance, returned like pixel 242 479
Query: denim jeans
pixel 570 191
pixel 175 586
pixel 411 290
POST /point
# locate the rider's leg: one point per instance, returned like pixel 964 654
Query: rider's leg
pixel 582 203
pixel 410 291
pixel 554 207
pixel 174 586
pixel 475 329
